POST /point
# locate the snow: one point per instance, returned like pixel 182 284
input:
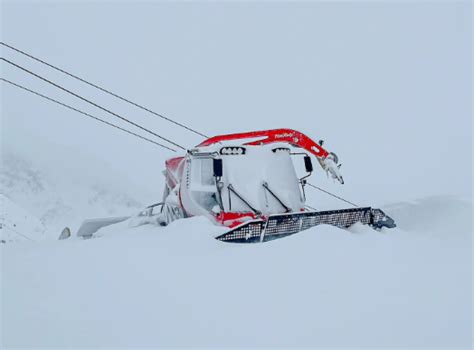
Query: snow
pixel 177 286
pixel 41 200
pixel 387 86
pixel 16 224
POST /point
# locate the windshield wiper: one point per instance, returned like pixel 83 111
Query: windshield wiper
pixel 231 189
pixel 265 186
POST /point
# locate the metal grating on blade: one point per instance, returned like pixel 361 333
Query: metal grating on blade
pixel 282 225
pixel 285 225
pixel 378 215
pixel 247 233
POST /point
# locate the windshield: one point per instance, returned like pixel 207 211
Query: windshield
pixel 248 173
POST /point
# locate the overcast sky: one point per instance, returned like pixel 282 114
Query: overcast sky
pixel 386 85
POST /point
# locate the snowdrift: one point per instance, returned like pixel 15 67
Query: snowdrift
pixel 177 286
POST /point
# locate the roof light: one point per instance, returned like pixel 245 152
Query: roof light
pixel 232 150
pixel 281 149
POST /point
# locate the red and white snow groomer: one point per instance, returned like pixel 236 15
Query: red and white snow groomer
pixel 248 183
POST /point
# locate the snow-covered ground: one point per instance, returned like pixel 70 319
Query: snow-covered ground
pixel 177 286
pixel 38 204
pixel 388 86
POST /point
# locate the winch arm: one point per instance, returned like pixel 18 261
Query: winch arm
pixel 264 137
pixel 327 160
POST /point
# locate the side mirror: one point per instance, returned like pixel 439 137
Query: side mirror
pixel 217 166
pixel 308 164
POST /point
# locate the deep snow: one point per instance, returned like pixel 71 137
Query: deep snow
pixel 177 286
pixel 387 86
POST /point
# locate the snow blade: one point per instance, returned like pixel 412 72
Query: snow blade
pixel 91 226
pixel 282 225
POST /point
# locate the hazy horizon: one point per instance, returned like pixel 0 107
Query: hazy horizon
pixel 386 85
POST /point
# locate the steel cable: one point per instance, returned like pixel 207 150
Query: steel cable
pixel 90 102
pixel 84 113
pixel 329 193
pixel 102 89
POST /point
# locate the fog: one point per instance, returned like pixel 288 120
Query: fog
pixel 386 85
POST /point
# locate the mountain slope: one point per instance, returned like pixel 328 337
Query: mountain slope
pixel 41 205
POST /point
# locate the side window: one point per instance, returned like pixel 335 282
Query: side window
pixel 207 177
pixel 203 185
pixel 202 173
